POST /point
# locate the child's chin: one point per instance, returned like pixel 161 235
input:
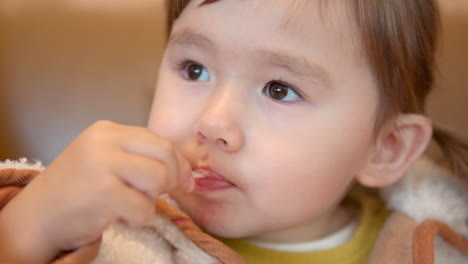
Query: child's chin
pixel 211 226
pixel 221 229
pixel 211 218
pixel 216 232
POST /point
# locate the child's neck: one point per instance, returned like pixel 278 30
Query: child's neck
pixel 326 225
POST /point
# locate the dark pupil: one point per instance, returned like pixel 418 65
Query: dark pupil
pixel 278 91
pixel 195 71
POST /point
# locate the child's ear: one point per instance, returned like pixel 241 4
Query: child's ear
pixel 397 145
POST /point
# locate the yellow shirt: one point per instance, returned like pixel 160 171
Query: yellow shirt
pixel 356 251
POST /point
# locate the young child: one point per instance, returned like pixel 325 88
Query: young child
pixel 281 108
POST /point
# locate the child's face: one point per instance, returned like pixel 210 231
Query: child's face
pixel 275 97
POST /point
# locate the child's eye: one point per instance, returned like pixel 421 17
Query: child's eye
pixel 196 72
pixel 281 92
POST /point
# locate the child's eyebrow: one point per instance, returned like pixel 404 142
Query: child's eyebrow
pixel 298 66
pixel 189 38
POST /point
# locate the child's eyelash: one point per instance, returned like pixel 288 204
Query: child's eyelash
pixel 280 80
pixel 181 64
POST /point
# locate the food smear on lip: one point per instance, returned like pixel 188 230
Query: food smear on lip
pixel 208 180
pixel 197 175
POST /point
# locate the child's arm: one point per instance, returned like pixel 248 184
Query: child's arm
pixel 109 173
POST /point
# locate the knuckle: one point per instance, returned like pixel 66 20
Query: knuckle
pixel 103 124
pixel 98 140
pixel 101 130
pixel 95 135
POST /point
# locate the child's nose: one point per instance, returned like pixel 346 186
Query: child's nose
pixel 218 126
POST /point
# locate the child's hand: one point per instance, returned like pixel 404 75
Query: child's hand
pixel 109 173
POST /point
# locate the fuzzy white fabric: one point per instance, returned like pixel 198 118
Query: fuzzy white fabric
pixel 21 164
pixel 429 191
pixel 160 242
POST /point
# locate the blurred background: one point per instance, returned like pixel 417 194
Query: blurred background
pixel 65 64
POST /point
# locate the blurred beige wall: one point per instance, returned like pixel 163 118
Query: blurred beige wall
pixel 67 63
pixel 448 104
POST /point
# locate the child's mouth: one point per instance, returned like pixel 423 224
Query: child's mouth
pixel 206 179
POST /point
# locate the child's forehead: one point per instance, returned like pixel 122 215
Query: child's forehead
pixel 292 16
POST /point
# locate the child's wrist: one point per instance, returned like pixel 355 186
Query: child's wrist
pixel 22 243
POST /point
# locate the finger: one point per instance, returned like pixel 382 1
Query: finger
pixel 131 206
pixel 145 175
pixel 141 141
pixel 146 143
pixel 185 173
pixel 85 254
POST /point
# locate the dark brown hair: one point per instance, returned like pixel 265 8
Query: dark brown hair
pixel 399 38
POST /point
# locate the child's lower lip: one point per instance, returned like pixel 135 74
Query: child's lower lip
pixel 208 180
pixel 210 184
